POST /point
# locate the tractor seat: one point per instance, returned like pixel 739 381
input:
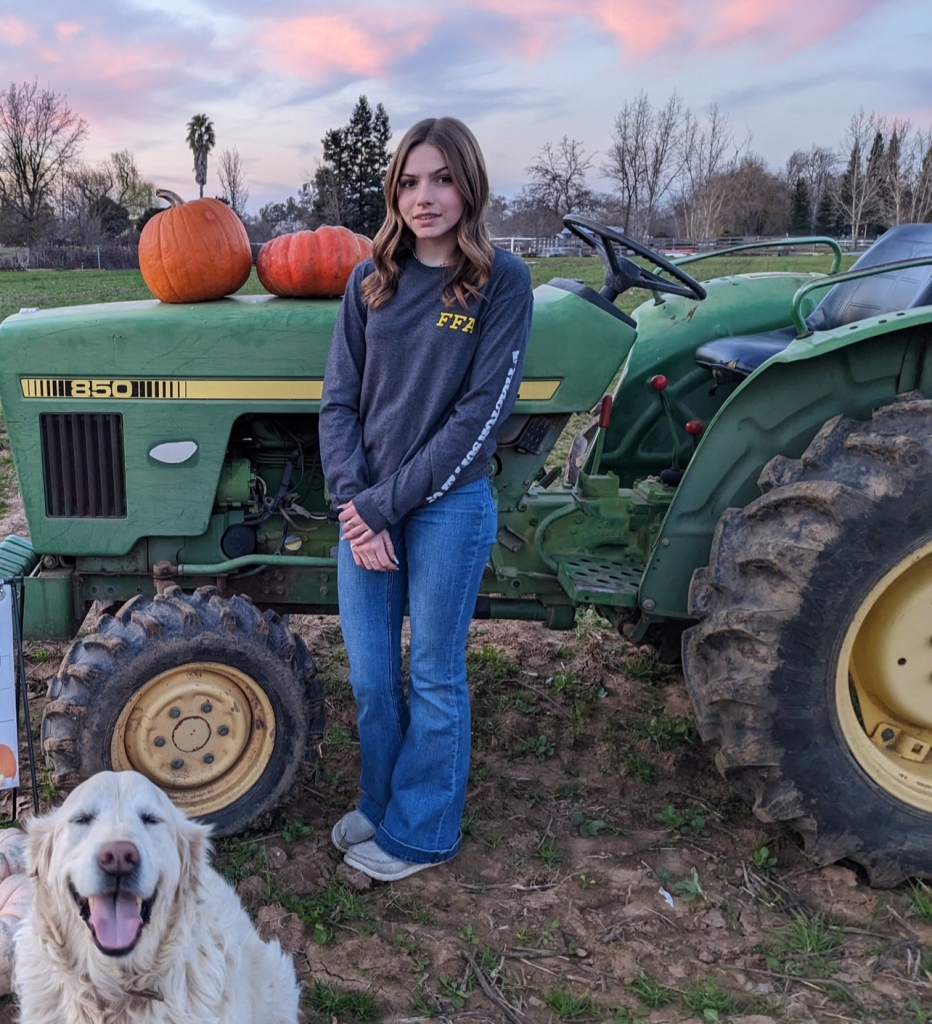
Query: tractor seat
pixel 734 358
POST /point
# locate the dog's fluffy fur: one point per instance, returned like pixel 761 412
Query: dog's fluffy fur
pixel 167 942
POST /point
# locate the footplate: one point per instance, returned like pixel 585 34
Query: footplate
pixel 591 581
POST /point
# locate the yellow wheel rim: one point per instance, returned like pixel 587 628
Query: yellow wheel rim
pixel 203 732
pixel 883 684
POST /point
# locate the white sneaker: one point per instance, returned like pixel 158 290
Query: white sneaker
pixel 353 828
pixel 376 863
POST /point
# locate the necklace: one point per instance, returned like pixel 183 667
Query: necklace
pixel 445 263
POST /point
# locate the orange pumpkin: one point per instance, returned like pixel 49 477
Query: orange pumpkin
pixel 311 264
pixel 7 762
pixel 193 252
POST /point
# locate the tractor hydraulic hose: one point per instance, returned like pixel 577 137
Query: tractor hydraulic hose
pixel 545 525
pixel 244 561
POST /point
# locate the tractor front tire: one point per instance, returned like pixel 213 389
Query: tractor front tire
pixel 215 702
pixel 811 667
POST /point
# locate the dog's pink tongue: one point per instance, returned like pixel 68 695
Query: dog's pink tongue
pixel 115 920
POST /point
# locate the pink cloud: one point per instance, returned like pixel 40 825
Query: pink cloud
pixel 541 24
pixel 124 67
pixel 790 26
pixel 643 30
pixel 639 34
pixel 356 42
pixel 66 29
pixel 15 31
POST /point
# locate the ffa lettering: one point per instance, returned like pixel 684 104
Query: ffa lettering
pixel 457 322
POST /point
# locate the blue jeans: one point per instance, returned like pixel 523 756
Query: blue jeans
pixel 415 746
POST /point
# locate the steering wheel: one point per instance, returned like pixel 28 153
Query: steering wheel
pixel 622 273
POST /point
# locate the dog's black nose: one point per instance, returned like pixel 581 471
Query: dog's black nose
pixel 120 858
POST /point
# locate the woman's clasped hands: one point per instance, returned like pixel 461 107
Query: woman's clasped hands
pixel 370 550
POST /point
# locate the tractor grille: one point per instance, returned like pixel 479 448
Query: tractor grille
pixel 82 458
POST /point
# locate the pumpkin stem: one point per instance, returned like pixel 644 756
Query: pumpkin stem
pixel 172 198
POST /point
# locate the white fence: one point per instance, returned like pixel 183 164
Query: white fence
pixel 71 257
pixel 564 245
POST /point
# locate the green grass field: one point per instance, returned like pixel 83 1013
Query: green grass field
pixel 48 288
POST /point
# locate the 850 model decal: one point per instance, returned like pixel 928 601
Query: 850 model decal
pixel 82 387
pixel 307 390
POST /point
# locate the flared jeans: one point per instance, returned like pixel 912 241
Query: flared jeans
pixel 415 740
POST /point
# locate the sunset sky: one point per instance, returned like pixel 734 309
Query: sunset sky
pixel 274 77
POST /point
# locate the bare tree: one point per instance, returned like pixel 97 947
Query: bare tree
pixel 105 198
pixel 129 188
pixel 711 156
pixel 861 183
pixel 758 200
pixel 645 158
pixel 497 215
pixel 532 217
pixel 40 136
pixel 921 206
pixel 908 188
pixel 818 169
pixel 84 190
pixel 627 158
pixel 558 178
pixel 233 179
pixel 328 200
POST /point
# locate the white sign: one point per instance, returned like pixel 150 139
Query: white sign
pixel 9 743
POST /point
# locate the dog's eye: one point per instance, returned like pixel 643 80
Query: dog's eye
pixel 150 819
pixel 83 819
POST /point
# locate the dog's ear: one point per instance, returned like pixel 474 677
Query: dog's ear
pixel 40 838
pixel 39 835
pixel 193 849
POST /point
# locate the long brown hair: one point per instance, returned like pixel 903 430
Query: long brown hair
pixel 472 259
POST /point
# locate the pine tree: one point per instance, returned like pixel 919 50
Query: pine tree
pixel 829 219
pixel 851 187
pixel 801 212
pixel 876 211
pixel 348 184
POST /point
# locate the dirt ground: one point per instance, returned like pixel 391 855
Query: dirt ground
pixel 607 874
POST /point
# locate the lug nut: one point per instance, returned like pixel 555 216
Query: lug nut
pixel 160 741
pixel 223 730
pixel 208 759
pixel 174 713
pixel 888 735
pixel 177 763
pixel 207 707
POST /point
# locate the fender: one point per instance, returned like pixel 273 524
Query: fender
pixel 777 410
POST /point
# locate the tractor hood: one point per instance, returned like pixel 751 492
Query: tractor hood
pixel 119 414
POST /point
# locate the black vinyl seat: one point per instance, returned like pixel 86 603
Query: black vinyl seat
pixel 734 358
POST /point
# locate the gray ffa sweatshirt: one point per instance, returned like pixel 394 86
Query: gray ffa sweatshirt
pixel 414 390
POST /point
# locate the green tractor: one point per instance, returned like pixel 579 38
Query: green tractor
pixel 755 483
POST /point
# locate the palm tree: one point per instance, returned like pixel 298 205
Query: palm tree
pixel 201 139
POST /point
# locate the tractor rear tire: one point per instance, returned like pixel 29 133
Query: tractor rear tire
pixel 214 701
pixel 810 666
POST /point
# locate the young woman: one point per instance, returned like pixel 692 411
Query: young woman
pixel 424 366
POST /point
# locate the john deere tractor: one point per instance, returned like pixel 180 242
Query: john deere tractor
pixel 755 479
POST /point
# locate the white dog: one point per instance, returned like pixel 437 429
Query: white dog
pixel 129 923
